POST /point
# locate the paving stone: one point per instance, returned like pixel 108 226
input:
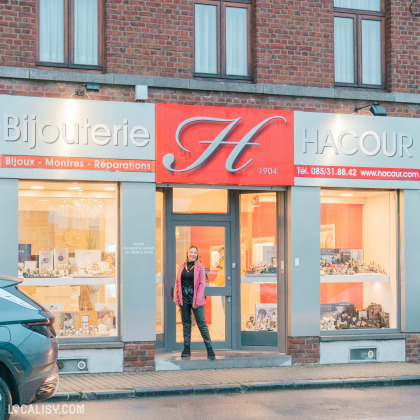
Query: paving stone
pixel 366 372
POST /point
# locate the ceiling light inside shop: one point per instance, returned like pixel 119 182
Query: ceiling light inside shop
pixel 109 189
pixel 346 195
pixel 73 188
pixel 37 187
pixel 80 207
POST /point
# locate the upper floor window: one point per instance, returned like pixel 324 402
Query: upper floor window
pixel 70 33
pixel 222 38
pixel 359 42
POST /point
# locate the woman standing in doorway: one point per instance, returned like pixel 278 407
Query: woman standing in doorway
pixel 189 295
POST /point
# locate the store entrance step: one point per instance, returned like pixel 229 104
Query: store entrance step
pixel 225 359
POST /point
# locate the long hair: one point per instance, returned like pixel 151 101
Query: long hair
pixel 188 250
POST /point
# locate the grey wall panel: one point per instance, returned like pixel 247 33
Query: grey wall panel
pixel 9 227
pixel 138 262
pixel 411 257
pixel 304 253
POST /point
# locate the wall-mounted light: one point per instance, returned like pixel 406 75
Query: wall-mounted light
pixel 375 109
pixel 91 87
pixel 87 87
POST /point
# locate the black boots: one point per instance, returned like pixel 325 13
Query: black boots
pixel 186 352
pixel 210 353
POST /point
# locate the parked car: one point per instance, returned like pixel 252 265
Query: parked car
pixel 28 348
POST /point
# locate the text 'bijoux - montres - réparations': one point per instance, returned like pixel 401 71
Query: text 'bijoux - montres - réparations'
pixel 27 129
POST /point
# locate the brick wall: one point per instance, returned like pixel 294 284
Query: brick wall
pixel 150 37
pixel 18 36
pixel 139 355
pixel 403 47
pixel 48 89
pixel 412 348
pixel 188 97
pixel 304 350
pixel 292 42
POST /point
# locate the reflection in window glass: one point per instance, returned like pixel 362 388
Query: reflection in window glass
pixel 159 263
pixel 68 253
pixel 358 259
pixel 258 265
pixel 200 200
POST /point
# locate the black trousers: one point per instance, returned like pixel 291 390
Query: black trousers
pixel 187 299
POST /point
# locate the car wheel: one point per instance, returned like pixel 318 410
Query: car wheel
pixel 5 400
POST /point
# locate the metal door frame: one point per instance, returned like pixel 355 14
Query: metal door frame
pixel 230 221
pixel 199 219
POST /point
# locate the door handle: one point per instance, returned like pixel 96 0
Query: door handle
pixel 172 292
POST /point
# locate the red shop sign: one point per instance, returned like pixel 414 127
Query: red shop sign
pixel 232 146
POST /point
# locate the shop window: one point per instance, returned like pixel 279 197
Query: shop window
pixel 258 269
pixel 222 38
pixel 358 260
pixel 359 42
pixel 160 303
pixel 70 33
pixel 68 253
pixel 200 200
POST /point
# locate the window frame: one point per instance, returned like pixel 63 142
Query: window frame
pixel 358 16
pixel 221 6
pixel 68 48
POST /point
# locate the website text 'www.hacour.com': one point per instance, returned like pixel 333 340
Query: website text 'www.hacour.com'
pixel 356 172
pixel 48 409
pixel 380 173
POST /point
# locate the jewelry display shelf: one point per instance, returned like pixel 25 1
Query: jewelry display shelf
pixel 67 281
pixel 355 278
pixel 260 278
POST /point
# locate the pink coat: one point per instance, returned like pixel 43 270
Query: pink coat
pixel 199 285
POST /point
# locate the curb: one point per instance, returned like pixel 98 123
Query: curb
pixel 232 389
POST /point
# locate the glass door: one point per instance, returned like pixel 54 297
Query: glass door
pixel 213 248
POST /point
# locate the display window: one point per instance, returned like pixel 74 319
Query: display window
pixel 258 242
pixel 68 253
pixel 358 260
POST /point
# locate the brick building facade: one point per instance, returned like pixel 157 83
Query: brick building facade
pixel 291 57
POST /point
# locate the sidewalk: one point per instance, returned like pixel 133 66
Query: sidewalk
pixel 79 387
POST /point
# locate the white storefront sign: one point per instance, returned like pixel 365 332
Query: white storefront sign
pixel 356 151
pixel 80 138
